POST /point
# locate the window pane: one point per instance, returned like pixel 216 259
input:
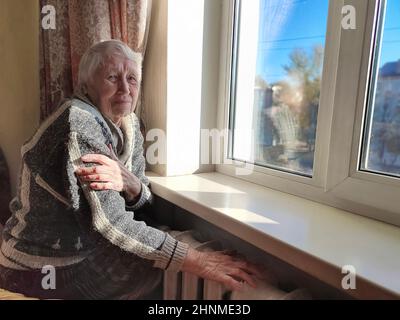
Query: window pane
pixel 276 82
pixel 381 147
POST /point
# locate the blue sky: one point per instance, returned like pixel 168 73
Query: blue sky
pixel 289 24
pixel 391 35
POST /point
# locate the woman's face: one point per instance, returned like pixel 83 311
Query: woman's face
pixel 114 88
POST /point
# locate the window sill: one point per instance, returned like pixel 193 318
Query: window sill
pixel 313 237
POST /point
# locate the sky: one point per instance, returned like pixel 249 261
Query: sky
pixel 391 35
pixel 289 24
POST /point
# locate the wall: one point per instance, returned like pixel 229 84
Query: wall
pixel 19 78
pixel 155 73
pixel 180 81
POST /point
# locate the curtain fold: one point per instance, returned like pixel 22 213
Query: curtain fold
pixel 80 24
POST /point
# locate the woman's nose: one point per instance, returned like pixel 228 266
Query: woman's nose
pixel 123 86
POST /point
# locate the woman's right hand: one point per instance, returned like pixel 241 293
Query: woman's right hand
pixel 220 266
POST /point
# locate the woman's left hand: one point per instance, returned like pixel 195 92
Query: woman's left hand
pixel 109 174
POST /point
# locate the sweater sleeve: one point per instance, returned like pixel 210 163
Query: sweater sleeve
pixel 110 218
pixel 139 167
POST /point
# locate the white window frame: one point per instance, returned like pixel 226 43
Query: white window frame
pixel 336 180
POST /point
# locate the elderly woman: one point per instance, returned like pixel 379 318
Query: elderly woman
pixel 82 179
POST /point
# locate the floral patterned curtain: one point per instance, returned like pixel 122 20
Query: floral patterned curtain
pixel 79 24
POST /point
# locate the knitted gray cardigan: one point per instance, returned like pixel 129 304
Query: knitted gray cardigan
pixel 59 221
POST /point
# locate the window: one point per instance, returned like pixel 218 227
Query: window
pixel 278 77
pixel 381 147
pixel 313 105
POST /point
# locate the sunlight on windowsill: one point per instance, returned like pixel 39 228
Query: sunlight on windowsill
pixel 316 238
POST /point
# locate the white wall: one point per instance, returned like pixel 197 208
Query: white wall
pixel 180 80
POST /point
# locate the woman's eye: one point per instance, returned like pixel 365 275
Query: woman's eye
pixel 112 77
pixel 131 79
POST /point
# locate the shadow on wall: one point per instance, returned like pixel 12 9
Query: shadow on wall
pixel 5 189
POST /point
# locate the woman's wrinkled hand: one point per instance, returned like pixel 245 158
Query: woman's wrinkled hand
pixel 222 266
pixel 109 174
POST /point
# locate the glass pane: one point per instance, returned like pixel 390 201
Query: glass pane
pixel 381 147
pixel 277 80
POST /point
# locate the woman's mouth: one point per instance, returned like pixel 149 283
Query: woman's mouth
pixel 122 101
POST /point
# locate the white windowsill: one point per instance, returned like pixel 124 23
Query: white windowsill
pixel 313 237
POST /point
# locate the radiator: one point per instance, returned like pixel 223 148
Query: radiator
pixel 186 286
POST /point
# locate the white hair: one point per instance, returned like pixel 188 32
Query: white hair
pixel 96 56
